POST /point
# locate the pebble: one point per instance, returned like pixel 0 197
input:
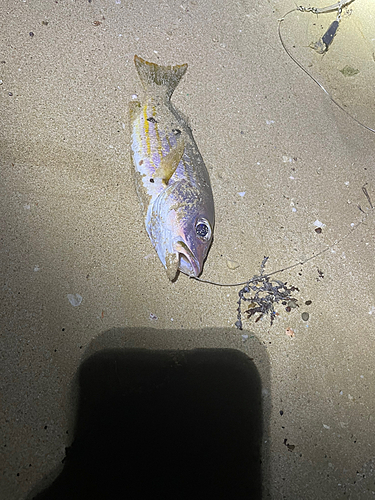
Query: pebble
pixel 232 264
pixel 305 316
pixel 317 223
pixel 75 299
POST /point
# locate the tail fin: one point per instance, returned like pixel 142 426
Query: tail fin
pixel 155 77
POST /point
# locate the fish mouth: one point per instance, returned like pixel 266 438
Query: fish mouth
pixel 189 264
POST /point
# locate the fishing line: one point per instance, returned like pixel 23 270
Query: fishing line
pixel 301 263
pixel 326 40
pixel 329 37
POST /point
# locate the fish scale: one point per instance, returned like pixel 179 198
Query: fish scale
pixel 150 144
pixel 171 178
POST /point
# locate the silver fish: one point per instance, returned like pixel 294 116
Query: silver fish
pixel 171 178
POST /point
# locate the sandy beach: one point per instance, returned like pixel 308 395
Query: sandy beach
pixel 289 172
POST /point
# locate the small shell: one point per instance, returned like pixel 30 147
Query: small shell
pixel 289 332
pixel 75 299
pixel 232 264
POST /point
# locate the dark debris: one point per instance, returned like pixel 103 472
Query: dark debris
pixel 290 447
pixel 263 293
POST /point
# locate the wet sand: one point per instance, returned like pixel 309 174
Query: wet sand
pixel 80 274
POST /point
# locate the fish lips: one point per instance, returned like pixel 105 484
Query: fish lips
pixel 188 263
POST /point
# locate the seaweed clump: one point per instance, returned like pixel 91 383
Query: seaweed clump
pixel 263 293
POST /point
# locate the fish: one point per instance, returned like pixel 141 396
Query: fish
pixel 171 178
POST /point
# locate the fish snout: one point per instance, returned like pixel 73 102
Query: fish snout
pixel 189 263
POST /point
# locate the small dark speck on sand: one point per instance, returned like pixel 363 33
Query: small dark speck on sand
pixel 31 34
pixel 289 446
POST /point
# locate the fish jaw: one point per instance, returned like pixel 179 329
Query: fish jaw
pixel 188 263
pixel 180 259
pixel 170 244
pixel 191 249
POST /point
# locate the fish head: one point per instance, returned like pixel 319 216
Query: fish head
pixel 182 225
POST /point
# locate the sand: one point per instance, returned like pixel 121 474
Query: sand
pixel 79 274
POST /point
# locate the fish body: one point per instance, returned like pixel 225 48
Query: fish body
pixel 171 178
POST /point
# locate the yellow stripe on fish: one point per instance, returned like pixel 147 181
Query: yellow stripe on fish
pixel 146 129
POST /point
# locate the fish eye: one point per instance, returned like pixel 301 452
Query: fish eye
pixel 203 229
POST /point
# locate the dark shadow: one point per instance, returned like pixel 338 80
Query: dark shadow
pixel 164 424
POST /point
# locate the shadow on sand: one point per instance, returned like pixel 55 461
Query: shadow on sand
pixel 171 424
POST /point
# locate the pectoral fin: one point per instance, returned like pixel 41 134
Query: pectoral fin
pixel 169 162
